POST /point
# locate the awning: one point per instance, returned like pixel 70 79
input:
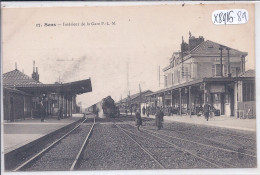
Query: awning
pixel 72 88
pixel 196 82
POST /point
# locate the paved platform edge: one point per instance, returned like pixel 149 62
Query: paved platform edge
pixel 208 124
pixel 10 149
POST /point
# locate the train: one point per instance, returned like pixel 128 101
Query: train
pixel 105 108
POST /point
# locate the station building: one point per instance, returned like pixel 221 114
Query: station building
pixel 133 101
pixel 207 72
pixel 22 94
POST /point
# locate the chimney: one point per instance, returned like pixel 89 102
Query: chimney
pixel 35 74
pixel 33 66
pixel 15 66
pixel 194 42
pixel 184 46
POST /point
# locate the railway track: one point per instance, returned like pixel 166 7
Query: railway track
pixel 210 163
pixel 249 142
pixel 143 148
pixel 31 163
pixel 171 139
pixel 91 145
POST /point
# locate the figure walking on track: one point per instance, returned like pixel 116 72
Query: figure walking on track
pixel 138 119
pixel 206 111
pixel 159 118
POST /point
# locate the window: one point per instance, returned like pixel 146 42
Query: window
pixel 165 81
pixel 235 71
pixel 172 78
pixel 186 73
pixel 217 70
pixel 248 91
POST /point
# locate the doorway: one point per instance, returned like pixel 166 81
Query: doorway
pixel 11 109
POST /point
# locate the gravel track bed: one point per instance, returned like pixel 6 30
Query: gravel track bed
pixel 217 156
pixel 232 158
pixel 216 135
pixel 62 155
pixel 205 130
pixel 89 120
pixel 204 140
pixel 16 157
pixel 169 156
pixel 109 148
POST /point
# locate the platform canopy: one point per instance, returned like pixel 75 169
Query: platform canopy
pixel 71 88
pixel 18 80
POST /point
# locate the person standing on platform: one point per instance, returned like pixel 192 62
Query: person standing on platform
pixel 148 111
pixel 143 110
pixel 131 110
pixel 42 111
pixel 118 112
pixel 138 119
pixel 60 113
pixel 126 112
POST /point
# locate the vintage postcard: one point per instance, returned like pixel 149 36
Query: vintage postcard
pixel 129 87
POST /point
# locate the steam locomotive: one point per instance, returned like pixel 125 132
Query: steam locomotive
pixel 106 108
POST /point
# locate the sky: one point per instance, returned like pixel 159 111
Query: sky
pixel 143 37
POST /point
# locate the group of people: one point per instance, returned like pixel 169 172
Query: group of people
pixel 158 118
pixel 151 110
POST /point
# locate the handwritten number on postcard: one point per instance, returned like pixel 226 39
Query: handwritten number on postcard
pixel 234 16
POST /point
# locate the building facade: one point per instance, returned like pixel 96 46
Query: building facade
pixel 206 72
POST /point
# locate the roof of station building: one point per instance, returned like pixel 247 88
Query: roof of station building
pixel 248 73
pixel 17 78
pixel 212 48
pixel 20 81
pixel 134 96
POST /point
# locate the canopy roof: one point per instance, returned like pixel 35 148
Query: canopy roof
pixel 72 88
pixel 17 80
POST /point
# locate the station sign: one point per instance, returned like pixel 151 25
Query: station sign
pixel 217 88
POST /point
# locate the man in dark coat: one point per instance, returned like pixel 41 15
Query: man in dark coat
pixel 148 111
pixel 131 110
pixel 42 111
pixel 158 118
pixel 143 110
pixel 60 114
pixel 138 119
pixel 206 111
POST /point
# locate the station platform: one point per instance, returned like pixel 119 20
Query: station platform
pixel 216 121
pixel 22 132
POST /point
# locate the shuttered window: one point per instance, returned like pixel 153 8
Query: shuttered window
pixel 248 91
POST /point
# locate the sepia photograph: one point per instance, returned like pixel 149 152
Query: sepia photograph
pixel 131 87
